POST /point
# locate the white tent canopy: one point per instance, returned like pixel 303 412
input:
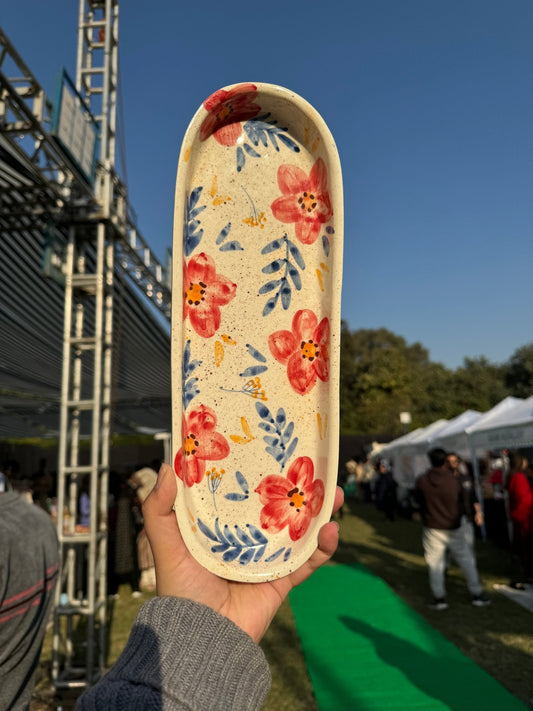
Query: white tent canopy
pixel 453 437
pixel 509 424
pixel 507 427
pixel 390 447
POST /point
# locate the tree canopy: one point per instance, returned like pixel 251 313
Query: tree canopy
pixel 383 375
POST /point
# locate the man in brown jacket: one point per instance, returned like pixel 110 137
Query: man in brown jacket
pixel 441 506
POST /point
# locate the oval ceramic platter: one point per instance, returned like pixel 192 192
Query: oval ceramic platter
pixel 257 262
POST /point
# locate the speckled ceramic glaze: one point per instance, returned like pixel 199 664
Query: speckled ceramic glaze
pixel 256 331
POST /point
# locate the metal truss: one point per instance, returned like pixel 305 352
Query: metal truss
pixel 42 184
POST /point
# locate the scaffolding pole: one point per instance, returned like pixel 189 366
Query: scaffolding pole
pixel 80 616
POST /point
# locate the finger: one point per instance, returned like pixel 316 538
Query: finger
pixel 161 499
pixel 339 499
pixel 159 518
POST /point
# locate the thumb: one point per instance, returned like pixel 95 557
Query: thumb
pixel 161 498
pixel 158 511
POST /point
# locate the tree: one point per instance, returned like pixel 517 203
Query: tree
pixel 518 372
pixel 381 376
pixel 478 385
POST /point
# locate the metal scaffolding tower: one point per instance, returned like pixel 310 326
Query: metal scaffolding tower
pixel 81 595
pixel 49 183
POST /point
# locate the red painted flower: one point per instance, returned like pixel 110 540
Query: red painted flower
pixel 305 199
pixel 204 293
pixel 226 110
pixel 200 443
pixel 293 501
pixel 304 350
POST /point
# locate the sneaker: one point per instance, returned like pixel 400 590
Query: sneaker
pixel 438 603
pixel 136 594
pixel 481 600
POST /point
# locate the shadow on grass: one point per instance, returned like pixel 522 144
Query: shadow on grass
pixel 499 637
pixel 448 681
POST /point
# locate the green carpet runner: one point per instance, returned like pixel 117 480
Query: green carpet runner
pixel 366 650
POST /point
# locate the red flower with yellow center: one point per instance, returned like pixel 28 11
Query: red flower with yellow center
pixel 291 501
pixel 226 110
pixel 204 292
pixel 304 350
pixel 305 199
pixel 200 443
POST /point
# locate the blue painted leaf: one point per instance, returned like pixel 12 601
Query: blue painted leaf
pixel 240 159
pixel 296 254
pixel 289 142
pixel 287 554
pixel 251 151
pixel 197 210
pixel 272 441
pixel 295 276
pixel 186 355
pixel 264 412
pixel 269 286
pixel 291 448
pixel 286 294
pixel 220 548
pixel 244 537
pixel 228 535
pixel 253 370
pixel 190 391
pixel 281 418
pixel 206 530
pixel 224 232
pixel 189 366
pixel 330 230
pixel 276 453
pixel 256 534
pixel 288 433
pixel 246 557
pixel 232 246
pixel 236 497
pixel 259 553
pixel 267 427
pixel 256 354
pixel 219 532
pixel 270 305
pixel 274 555
pixel 274 266
pixel 272 246
pixel 195 196
pixel 193 226
pixel 255 132
pixel 231 554
pixel 241 480
pixel 325 245
pixel 272 137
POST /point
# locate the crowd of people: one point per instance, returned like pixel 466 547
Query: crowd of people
pixel 445 498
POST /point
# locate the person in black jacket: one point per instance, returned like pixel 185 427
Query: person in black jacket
pixel 441 499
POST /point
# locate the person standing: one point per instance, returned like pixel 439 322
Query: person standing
pixel 29 564
pixel 385 490
pixel 441 506
pixel 521 513
pixel 472 511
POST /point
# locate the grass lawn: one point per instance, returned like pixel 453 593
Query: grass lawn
pixel 499 638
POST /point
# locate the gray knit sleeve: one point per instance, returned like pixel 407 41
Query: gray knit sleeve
pixel 182 655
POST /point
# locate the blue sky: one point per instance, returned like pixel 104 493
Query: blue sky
pixel 431 107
